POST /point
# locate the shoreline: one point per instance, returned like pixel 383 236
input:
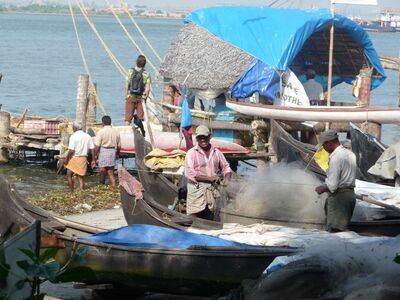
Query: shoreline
pixel 79 14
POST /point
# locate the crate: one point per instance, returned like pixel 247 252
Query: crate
pixel 45 126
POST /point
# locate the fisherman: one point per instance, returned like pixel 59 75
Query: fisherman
pixel 76 161
pixel 313 88
pixel 202 163
pixel 107 146
pixel 339 183
pixel 137 89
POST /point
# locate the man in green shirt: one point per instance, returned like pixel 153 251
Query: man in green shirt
pixel 137 89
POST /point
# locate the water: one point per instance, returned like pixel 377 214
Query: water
pixel 40 61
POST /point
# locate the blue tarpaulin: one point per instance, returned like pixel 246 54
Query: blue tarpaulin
pixel 275 37
pixel 150 236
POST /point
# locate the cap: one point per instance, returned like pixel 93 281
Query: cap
pixel 327 136
pixel 202 130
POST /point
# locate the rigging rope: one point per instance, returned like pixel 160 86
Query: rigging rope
pixel 119 66
pixel 116 62
pixel 92 88
pixel 125 7
pixel 130 36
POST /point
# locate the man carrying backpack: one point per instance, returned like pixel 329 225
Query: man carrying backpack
pixel 137 89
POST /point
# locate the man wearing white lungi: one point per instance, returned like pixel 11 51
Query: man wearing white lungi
pixel 339 183
pixel 202 163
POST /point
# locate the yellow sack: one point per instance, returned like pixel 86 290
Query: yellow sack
pixel 160 159
pixel 321 157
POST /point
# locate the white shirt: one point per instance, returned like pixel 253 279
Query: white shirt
pixel 313 89
pixel 81 143
pixel 342 169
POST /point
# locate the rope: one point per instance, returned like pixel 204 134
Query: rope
pixel 125 7
pixel 129 35
pixel 119 66
pixel 92 90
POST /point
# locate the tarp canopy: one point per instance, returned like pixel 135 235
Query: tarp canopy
pixel 280 39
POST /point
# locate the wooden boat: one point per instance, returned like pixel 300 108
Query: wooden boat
pixel 149 211
pixel 27 239
pixel 139 211
pixel 366 148
pixel 160 193
pixel 318 113
pixel 203 271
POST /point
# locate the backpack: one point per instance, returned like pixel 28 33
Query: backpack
pixel 136 85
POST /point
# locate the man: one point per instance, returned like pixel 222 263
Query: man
pixel 201 165
pixel 76 161
pixel 107 145
pixel 339 183
pixel 137 89
pixel 313 88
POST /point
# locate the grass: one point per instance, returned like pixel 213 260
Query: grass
pixel 63 202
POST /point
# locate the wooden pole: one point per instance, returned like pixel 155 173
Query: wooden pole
pixel 82 100
pixel 4 132
pixel 331 41
pixel 91 110
pixel 22 118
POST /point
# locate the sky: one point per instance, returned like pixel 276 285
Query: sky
pixel 193 4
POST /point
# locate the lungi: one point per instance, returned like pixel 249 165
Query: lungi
pixel 107 157
pixel 339 207
pixel 200 196
pixel 78 165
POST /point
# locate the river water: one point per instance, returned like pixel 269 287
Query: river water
pixel 40 62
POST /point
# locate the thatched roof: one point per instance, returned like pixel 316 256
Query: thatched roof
pixel 210 62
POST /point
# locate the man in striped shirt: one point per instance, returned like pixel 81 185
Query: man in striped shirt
pixel 202 163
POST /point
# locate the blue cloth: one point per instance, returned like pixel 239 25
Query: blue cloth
pixel 276 36
pixel 186 115
pixel 150 236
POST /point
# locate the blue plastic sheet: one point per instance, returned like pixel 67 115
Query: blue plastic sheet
pixel 186 115
pixel 276 36
pixel 260 78
pixel 150 236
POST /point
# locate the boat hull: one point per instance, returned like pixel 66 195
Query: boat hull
pixel 202 271
pixel 318 114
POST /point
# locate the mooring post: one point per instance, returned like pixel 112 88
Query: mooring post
pixel 4 132
pixel 92 104
pixel 82 100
